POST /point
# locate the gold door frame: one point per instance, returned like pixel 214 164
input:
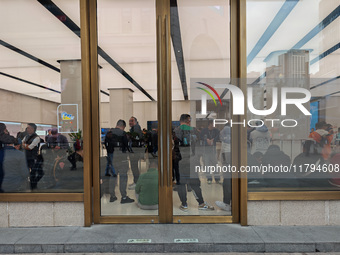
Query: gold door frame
pixel 164 105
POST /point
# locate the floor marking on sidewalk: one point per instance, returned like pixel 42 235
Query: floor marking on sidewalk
pixel 186 240
pixel 139 241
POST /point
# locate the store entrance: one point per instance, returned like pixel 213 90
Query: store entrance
pixel 160 150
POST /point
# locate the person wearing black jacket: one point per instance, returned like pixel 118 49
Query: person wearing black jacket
pixel 121 163
pixel 136 136
pixel 31 144
pixel 110 148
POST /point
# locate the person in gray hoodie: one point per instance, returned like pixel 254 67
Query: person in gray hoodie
pixel 260 139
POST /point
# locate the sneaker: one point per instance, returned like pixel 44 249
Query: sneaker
pixel 205 206
pixel 126 200
pixel 112 199
pixel 217 181
pixel 184 208
pixel 114 175
pixel 132 186
pixel 223 206
pixel 209 181
pixel 108 175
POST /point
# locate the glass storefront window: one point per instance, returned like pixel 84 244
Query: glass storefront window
pixel 128 108
pixel 293 54
pixel 200 68
pixel 41 97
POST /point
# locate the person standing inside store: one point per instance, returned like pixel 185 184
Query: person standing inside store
pixel 187 136
pixel 31 144
pixel 154 139
pixel 260 139
pixel 3 133
pixel 225 137
pixel 209 136
pixel 14 166
pixel 136 136
pixel 120 161
pixel 109 145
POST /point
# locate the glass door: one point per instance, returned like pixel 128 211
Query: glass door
pixel 128 165
pixel 200 59
pixel 162 71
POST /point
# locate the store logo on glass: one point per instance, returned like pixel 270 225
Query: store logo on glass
pixel 66 116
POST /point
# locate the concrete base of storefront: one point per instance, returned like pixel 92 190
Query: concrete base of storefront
pixel 170 238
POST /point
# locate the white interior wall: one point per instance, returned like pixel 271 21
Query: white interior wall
pixel 21 108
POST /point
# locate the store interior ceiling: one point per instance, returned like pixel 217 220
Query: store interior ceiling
pixel 35 35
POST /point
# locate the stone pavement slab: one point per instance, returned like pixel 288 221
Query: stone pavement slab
pixel 200 238
pixel 285 238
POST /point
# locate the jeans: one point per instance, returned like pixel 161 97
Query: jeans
pixel 109 165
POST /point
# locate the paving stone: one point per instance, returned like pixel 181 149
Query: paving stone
pixel 239 247
pixel 50 235
pixel 323 233
pixel 138 248
pixel 283 234
pixel 52 248
pixel 87 248
pixel 289 247
pixel 188 247
pixel 186 231
pixel 28 248
pixel 13 235
pixel 6 248
pixel 327 247
pixel 233 233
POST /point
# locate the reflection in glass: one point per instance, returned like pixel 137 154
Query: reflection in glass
pixel 40 77
pixel 299 151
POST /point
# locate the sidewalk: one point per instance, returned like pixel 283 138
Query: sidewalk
pixel 174 238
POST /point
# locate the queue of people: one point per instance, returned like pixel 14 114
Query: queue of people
pixel 124 152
